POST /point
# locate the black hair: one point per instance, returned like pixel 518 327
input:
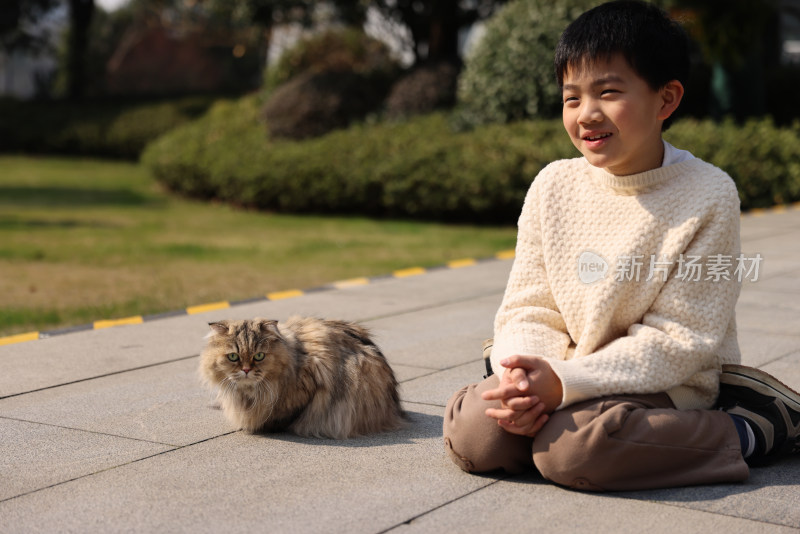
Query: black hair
pixel 655 46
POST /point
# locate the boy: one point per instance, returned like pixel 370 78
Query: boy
pixel 618 315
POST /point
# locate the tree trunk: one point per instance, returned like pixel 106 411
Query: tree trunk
pixel 80 19
pixel 443 36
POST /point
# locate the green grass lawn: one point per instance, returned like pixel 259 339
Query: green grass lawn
pixel 84 240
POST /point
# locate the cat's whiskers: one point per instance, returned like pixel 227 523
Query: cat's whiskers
pixel 228 386
pixel 266 392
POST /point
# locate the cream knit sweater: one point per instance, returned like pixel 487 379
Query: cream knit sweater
pixel 574 295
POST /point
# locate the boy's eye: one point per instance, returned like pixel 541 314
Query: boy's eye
pixel 233 357
pixel 568 99
pixel 260 356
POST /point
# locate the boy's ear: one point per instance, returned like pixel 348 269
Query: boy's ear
pixel 671 96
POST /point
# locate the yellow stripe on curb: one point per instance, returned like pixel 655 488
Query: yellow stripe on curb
pixel 292 293
pixel 211 306
pixel 280 295
pixel 405 273
pixel 352 282
pixel 98 325
pixel 19 338
pixel 457 264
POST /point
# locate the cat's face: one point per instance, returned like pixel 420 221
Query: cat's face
pixel 243 353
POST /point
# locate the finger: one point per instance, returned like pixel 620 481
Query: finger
pixel 537 426
pixel 521 403
pixel 520 378
pixel 503 391
pixel 529 431
pixel 527 424
pixel 527 418
pixel 501 413
pixel 517 360
pixel 512 428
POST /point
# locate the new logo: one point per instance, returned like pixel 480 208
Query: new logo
pixel 591 267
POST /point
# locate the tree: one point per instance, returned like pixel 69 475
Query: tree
pixel 19 24
pixel 21 28
pixel 435 26
pixel 739 40
pixel 80 20
pixel 509 76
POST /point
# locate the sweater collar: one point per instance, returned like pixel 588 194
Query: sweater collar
pixel 633 184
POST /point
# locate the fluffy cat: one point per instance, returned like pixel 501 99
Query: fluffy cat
pixel 310 376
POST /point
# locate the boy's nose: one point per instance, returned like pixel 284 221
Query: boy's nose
pixel 590 113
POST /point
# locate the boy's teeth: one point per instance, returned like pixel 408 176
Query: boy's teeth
pixel 596 137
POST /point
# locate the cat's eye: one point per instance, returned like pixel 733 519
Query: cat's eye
pixel 260 356
pixel 233 357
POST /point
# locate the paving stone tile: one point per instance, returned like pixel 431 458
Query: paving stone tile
pixel 787 283
pixel 772 267
pixel 759 348
pixel 766 226
pixel 771 495
pixel 404 373
pixel 438 337
pixel 165 403
pixel 761 297
pixel 34 456
pixel 787 370
pixel 772 246
pixel 245 483
pixel 769 319
pixel 530 504
pixel 436 389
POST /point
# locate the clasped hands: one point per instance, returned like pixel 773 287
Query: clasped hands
pixel 529 391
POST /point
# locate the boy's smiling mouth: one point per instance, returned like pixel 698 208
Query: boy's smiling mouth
pixel 596 137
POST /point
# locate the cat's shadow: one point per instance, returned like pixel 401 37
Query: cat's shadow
pixel 419 426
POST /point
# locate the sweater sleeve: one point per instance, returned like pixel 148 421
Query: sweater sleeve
pixel 528 321
pixel 677 340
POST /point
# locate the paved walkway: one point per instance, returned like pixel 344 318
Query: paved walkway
pixel 108 430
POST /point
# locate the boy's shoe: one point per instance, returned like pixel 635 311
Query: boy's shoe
pixel 770 407
pixel 487 352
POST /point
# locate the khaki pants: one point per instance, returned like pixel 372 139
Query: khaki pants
pixel 613 443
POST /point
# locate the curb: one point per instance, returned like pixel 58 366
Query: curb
pixel 276 295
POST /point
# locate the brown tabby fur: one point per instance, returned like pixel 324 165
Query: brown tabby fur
pixel 318 377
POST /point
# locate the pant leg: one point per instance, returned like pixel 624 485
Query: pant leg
pixel 638 442
pixel 474 441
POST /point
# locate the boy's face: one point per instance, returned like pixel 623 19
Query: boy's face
pixel 613 116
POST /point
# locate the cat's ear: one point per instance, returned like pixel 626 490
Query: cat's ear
pixel 267 326
pixel 219 327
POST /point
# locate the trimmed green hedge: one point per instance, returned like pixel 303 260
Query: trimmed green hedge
pixel 106 128
pixel 420 168
pixel 762 159
pixel 509 75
